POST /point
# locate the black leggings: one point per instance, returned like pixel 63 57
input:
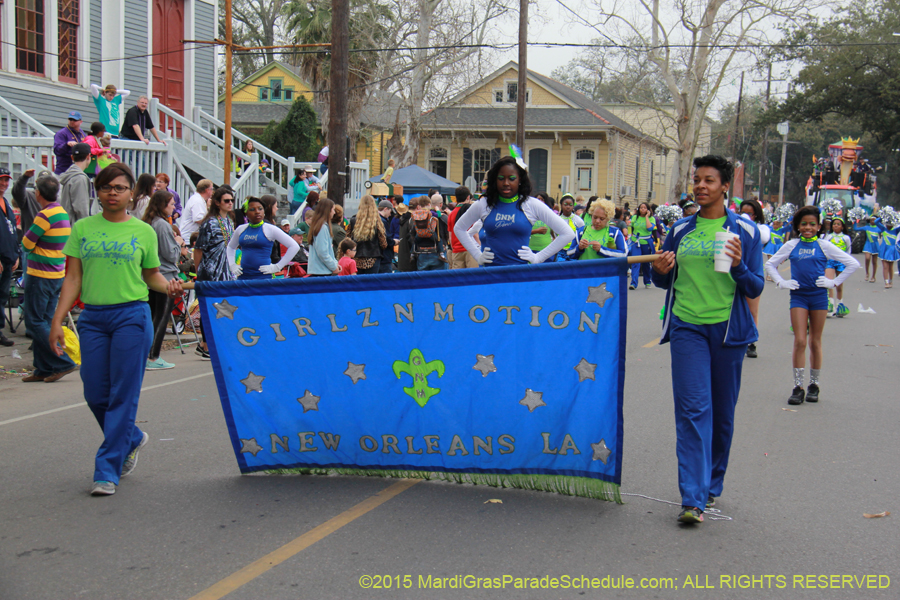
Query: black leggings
pixel 160 309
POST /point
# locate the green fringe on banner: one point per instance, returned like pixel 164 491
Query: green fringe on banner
pixel 558 484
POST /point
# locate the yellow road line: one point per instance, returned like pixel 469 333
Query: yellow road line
pixel 651 344
pixel 294 547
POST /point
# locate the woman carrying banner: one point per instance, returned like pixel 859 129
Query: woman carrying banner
pixel 708 323
pixel 216 230
pixel 509 214
pixel 255 241
pixel 112 261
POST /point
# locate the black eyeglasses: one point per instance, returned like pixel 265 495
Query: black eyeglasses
pixel 119 189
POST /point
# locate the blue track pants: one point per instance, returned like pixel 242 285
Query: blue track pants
pixel 706 380
pixel 638 268
pixel 115 341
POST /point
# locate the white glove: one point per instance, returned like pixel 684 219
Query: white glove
pixel 269 269
pixel 236 269
pixel 824 282
pixel 788 284
pixel 526 254
pixel 485 257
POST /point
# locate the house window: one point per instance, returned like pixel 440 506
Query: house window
pixel 437 161
pixel 584 170
pixel 264 94
pixel 275 84
pixel 481 163
pixel 498 96
pixel 476 163
pixel 537 169
pixel 30 36
pixel 512 92
pixel 289 95
pixel 68 40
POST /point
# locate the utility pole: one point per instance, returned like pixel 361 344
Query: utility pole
pixel 338 167
pixel 229 40
pixel 764 159
pixel 737 120
pixel 523 75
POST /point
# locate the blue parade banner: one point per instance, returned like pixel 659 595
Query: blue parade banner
pixel 508 376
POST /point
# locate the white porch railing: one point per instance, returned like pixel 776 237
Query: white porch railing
pixel 14 122
pixel 18 154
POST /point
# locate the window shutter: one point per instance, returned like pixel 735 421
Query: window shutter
pixel 467 163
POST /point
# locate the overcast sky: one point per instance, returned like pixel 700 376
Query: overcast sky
pixel 550 22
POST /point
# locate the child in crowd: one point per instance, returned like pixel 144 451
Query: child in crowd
pixel 347 252
pixel 809 298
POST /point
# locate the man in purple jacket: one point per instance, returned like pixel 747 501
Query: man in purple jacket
pixel 65 139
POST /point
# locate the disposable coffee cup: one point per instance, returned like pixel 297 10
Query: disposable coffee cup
pixel 723 261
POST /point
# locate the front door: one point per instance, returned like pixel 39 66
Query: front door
pixel 168 53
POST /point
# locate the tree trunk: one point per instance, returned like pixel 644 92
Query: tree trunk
pixel 420 77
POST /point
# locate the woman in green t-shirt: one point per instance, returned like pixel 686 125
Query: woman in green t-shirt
pixel 708 325
pixel 112 260
pixel 642 227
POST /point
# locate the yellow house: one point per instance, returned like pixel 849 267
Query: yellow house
pixel 265 96
pixel 572 144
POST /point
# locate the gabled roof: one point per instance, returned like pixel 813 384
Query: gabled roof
pixel 262 71
pixel 583 111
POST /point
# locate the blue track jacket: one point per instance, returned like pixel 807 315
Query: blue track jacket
pixel 748 276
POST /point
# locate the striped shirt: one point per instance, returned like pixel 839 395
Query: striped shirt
pixel 45 240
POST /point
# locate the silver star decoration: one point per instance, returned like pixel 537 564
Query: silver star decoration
pixel 224 309
pixel 601 452
pixel 599 294
pixel 250 446
pixel 585 370
pixel 355 372
pixel 532 400
pixel 309 401
pixel 485 364
pixel 253 383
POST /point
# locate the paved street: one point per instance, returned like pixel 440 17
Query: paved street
pixel 798 485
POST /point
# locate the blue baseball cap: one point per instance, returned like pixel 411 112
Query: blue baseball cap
pixel 74 116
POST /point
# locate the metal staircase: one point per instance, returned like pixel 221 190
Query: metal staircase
pixel 195 146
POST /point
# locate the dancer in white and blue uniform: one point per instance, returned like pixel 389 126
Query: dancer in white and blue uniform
pixel 509 213
pixel 870 250
pixel 888 251
pixel 833 268
pixel 255 240
pixel 809 296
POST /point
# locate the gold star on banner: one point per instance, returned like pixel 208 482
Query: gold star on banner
pixel 585 370
pixel 599 295
pixel 250 446
pixel 484 364
pixel 355 372
pixel 224 309
pixel 253 383
pixel 532 400
pixel 309 401
pixel 601 452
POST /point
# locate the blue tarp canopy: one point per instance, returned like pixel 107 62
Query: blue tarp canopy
pixel 416 181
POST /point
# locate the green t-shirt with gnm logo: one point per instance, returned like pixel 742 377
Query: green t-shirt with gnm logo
pixel 112 257
pixel 702 296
